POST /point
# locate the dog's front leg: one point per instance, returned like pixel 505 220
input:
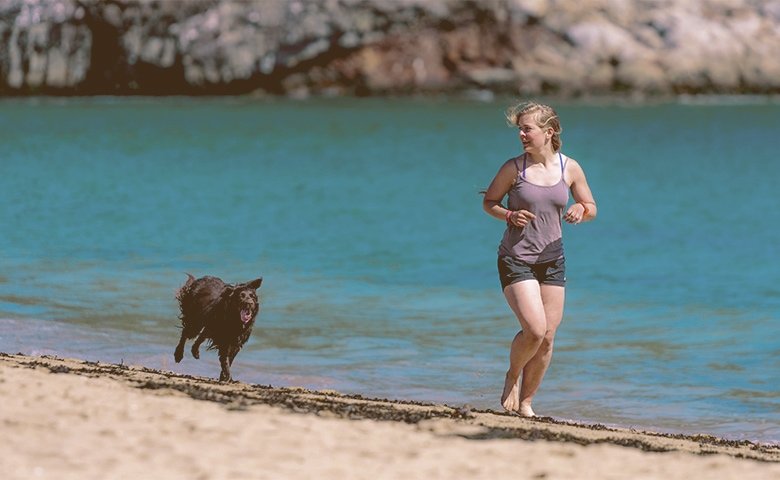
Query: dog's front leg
pixel 196 346
pixel 224 361
pixel 179 353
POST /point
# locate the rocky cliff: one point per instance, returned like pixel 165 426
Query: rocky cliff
pixel 365 47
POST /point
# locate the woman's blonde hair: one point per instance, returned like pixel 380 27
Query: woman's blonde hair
pixel 545 117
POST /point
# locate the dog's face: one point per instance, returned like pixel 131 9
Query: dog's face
pixel 243 299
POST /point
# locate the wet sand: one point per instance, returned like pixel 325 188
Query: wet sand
pixel 67 418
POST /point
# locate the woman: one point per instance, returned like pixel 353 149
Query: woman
pixel 531 263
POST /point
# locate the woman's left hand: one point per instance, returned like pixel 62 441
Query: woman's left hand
pixel 575 213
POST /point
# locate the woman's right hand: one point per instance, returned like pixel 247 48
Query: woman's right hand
pixel 520 218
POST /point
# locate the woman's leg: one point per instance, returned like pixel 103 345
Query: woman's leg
pixel 534 370
pixel 525 300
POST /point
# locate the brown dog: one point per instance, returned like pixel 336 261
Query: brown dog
pixel 221 313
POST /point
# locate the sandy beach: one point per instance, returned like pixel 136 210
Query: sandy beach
pixel 66 418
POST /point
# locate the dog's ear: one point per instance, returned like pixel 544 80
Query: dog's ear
pixel 255 284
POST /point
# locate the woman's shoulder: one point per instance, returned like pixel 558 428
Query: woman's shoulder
pixel 512 165
pixel 566 158
pixel 513 162
pixel 572 167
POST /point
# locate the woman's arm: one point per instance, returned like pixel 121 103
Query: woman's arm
pixel 496 192
pixel 584 210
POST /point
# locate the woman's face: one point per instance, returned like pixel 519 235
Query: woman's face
pixel 532 136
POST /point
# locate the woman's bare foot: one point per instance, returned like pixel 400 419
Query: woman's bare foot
pixel 525 410
pixel 510 398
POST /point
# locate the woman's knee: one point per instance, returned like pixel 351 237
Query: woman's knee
pixel 535 333
pixel 547 343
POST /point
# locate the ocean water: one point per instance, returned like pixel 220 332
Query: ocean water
pixel 364 219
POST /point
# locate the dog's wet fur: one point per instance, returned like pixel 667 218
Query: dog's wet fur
pixel 221 313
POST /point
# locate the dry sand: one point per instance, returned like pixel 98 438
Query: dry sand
pixel 63 419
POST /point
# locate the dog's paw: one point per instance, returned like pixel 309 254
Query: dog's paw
pixel 196 353
pixel 178 355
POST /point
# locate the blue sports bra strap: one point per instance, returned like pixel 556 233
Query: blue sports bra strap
pixel 563 164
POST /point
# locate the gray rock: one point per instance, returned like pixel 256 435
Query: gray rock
pixel 330 47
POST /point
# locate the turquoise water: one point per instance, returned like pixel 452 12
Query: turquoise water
pixel 363 218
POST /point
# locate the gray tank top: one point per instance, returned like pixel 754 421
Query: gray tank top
pixel 542 239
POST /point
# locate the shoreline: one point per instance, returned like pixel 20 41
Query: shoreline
pixel 68 418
